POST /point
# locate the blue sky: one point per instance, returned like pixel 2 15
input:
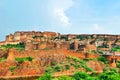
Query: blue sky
pixel 63 16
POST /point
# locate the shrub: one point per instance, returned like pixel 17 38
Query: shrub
pixel 82 62
pixel 63 37
pixel 68 57
pixel 82 37
pixel 118 64
pixel 2 59
pixel 109 76
pixel 53 63
pixel 65 78
pixel 93 51
pixel 20 46
pixel 88 69
pixel 67 67
pixel 37 37
pixel 103 59
pixel 86 59
pixel 117 49
pixel 12 68
pixel 114 70
pixel 58 68
pixel 76 59
pixel 106 69
pixel 49 70
pixel 80 76
pixel 45 76
pixel 20 60
pixel 47 48
pixel 100 52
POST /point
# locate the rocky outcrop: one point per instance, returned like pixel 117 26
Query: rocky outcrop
pixel 3 53
pixel 11 53
pixel 96 66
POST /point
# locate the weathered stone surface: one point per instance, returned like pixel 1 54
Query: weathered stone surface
pixel 75 45
pixel 11 53
pixel 95 65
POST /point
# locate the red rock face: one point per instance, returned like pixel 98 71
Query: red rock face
pixel 45 50
pixel 89 48
pixel 42 58
pixel 5 68
pixel 11 53
pixel 75 45
pixel 92 55
pixel 95 65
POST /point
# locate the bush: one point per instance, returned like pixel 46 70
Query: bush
pixel 117 49
pixel 109 76
pixel 65 78
pixel 20 60
pixel 20 46
pixel 114 70
pixel 69 57
pixel 49 70
pixel 80 76
pixel 47 48
pixel 12 68
pixel 82 62
pixel 2 59
pixel 45 76
pixel 67 67
pixel 100 52
pixel 106 69
pixel 103 59
pixel 77 66
pixel 82 37
pixel 58 68
pixel 93 51
pixel 76 59
pixel 88 69
pixel 86 59
pixel 118 64
pixel 64 37
pixel 53 63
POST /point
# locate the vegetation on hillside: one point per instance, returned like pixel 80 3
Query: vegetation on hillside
pixel 20 46
pixel 70 63
pixel 116 49
pixel 107 75
pixel 103 59
pixel 20 60
pixel 2 59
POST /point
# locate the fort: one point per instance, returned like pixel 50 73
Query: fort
pixel 47 47
pixel 36 40
pixel 33 40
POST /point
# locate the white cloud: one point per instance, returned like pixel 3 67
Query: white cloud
pixel 57 11
pixel 60 14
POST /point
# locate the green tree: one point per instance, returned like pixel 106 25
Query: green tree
pixel 109 76
pixel 65 78
pixel 45 76
pixel 103 59
pixel 80 76
pixel 58 68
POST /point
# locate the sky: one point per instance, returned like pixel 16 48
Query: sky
pixel 63 16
